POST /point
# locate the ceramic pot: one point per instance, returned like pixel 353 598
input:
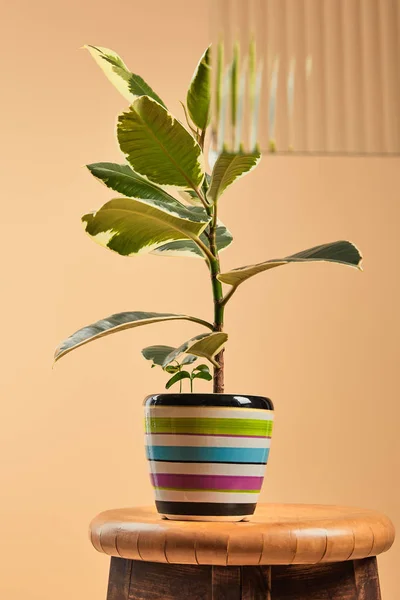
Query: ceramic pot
pixel 207 454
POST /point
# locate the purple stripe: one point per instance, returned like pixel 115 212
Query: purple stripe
pixel 261 437
pixel 207 482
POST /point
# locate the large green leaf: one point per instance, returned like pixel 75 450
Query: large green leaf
pixel 341 252
pixel 189 248
pixel 228 168
pixel 118 322
pixel 158 146
pixel 199 94
pixel 206 345
pixel 123 179
pixel 129 226
pixel 127 83
pixel 157 354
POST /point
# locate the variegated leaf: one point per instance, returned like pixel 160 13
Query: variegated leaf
pixel 158 146
pixel 206 345
pixel 127 83
pixel 157 355
pixel 123 179
pixel 115 323
pixel 199 94
pixel 341 252
pixel 228 169
pixel 129 226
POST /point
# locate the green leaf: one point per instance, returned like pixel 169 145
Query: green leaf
pixel 189 248
pixel 171 368
pixel 199 94
pixel 228 168
pixel 178 377
pixel 341 252
pixel 127 83
pixel 158 146
pixel 202 368
pixel 157 354
pixel 124 180
pixel 118 322
pixel 206 345
pixel 202 375
pixel 129 226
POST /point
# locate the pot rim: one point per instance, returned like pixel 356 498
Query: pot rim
pixel 186 398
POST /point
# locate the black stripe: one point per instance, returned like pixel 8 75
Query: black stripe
pixel 210 400
pixel 201 462
pixel 204 509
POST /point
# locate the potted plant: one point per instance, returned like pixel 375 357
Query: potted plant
pixel 207 452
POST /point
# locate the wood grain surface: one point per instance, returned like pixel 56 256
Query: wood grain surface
pixel 278 534
pixel 351 580
pixel 348 580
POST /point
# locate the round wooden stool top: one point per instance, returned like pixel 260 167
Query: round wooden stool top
pixel 278 534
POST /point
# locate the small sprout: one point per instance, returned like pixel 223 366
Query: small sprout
pixel 202 367
pixel 177 377
pixel 157 355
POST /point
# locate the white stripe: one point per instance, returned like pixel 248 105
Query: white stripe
pixel 207 518
pixel 222 497
pixel 214 412
pixel 205 440
pixel 206 468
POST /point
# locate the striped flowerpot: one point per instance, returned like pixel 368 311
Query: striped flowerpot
pixel 207 454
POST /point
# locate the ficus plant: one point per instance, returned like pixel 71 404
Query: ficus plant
pixel 168 204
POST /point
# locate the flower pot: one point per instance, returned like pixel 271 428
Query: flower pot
pixel 207 454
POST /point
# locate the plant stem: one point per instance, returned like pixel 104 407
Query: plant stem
pixel 214 265
pixel 204 249
pixel 180 381
pixel 219 307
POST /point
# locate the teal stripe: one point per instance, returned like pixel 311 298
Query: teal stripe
pixel 207 454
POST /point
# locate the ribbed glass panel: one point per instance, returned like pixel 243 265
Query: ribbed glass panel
pixel 306 76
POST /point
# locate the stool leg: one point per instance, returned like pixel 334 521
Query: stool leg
pixel 351 580
pixel 119 580
pixel 367 579
pixel 226 583
pixel 159 581
pixel 256 583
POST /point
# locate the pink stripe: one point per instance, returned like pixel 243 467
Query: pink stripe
pixel 261 437
pixel 206 482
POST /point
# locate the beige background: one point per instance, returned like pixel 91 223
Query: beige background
pixel 322 341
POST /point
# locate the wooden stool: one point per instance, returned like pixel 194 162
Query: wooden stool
pixel 286 552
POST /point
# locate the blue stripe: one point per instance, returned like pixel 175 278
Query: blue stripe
pixel 207 454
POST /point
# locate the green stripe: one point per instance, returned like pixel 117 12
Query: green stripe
pixel 210 426
pixel 173 489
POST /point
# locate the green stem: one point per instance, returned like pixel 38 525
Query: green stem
pixel 218 301
pixel 214 266
pixel 203 200
pixel 180 381
pixel 204 249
